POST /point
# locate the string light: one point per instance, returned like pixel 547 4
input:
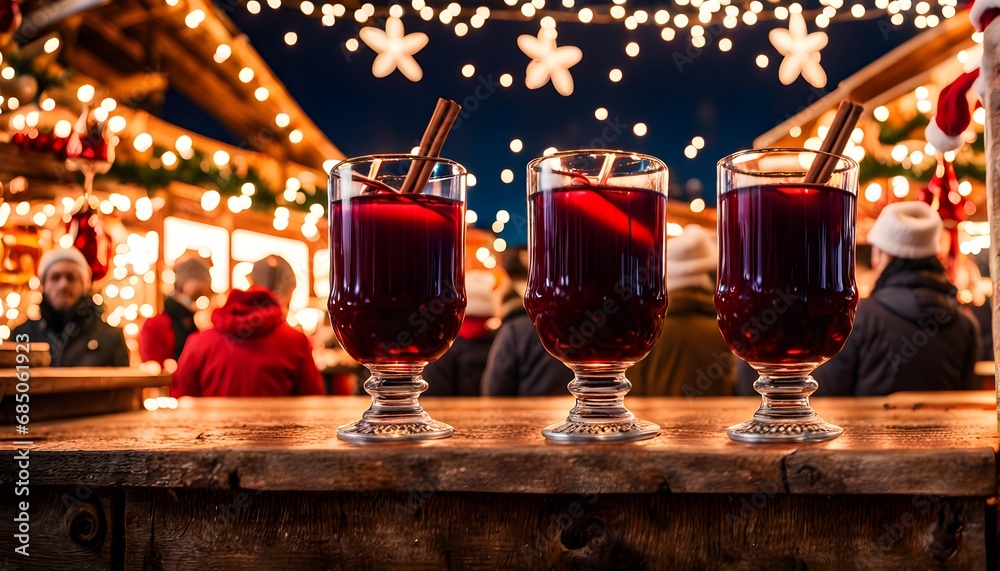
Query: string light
pixel 142 142
pixel 85 93
pixel 222 53
pixel 194 19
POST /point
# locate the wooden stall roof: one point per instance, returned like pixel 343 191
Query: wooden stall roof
pixel 911 64
pixel 917 443
pixel 127 39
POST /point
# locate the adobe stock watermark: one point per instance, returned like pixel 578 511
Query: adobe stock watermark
pixel 649 276
pixel 558 523
pixel 422 319
pixel 922 504
pixel 751 330
pixel 691 52
pixel 750 507
pixel 910 345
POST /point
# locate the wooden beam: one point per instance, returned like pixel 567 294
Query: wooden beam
pixel 991 75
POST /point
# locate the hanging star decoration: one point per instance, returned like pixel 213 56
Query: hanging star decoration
pixel 395 50
pixel 548 62
pixel 801 51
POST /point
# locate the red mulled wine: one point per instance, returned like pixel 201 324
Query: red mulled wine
pixel 397 276
pixel 596 291
pixel 786 292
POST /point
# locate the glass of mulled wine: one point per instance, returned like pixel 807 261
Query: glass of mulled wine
pixel 597 284
pixel 397 283
pixel 786 294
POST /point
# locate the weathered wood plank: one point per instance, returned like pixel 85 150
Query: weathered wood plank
pixel 941 443
pixel 70 528
pixel 429 529
pixel 50 406
pixel 71 379
pixel 990 69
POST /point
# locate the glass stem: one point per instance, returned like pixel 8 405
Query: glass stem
pixel 600 392
pixel 785 393
pixel 395 390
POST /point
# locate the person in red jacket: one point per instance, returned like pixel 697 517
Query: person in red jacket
pixel 251 352
pixel 163 336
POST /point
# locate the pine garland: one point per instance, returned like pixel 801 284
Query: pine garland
pixel 202 172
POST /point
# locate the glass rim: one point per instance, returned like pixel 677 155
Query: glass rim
pixel 533 164
pixel 397 157
pixel 728 162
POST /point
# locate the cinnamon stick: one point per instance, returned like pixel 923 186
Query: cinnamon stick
pixel 445 113
pixel 835 142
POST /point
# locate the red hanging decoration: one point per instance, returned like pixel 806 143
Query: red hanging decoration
pixel 942 194
pixel 87 231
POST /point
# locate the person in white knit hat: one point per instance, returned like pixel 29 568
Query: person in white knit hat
pixel 690 358
pixel 910 334
pixel 70 320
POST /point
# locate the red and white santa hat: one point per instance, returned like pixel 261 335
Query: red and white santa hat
pixel 953 112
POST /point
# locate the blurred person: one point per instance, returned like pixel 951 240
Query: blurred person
pixel 251 351
pixel 518 363
pixel 690 358
pixel 459 371
pixel 70 321
pixel 515 263
pixel 163 336
pixel 910 334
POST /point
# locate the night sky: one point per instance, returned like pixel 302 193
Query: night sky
pixel 723 97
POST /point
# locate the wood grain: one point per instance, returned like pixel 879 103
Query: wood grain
pixel 931 443
pixel 429 529
pixel 72 527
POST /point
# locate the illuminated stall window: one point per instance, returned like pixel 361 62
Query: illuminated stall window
pixel 321 273
pixel 248 247
pixel 181 235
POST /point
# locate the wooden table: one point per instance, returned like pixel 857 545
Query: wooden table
pixel 265 484
pixel 62 392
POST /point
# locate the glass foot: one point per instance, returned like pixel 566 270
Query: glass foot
pixel 600 414
pixel 395 413
pixel 628 431
pixel 785 414
pixel 375 431
pixel 755 430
